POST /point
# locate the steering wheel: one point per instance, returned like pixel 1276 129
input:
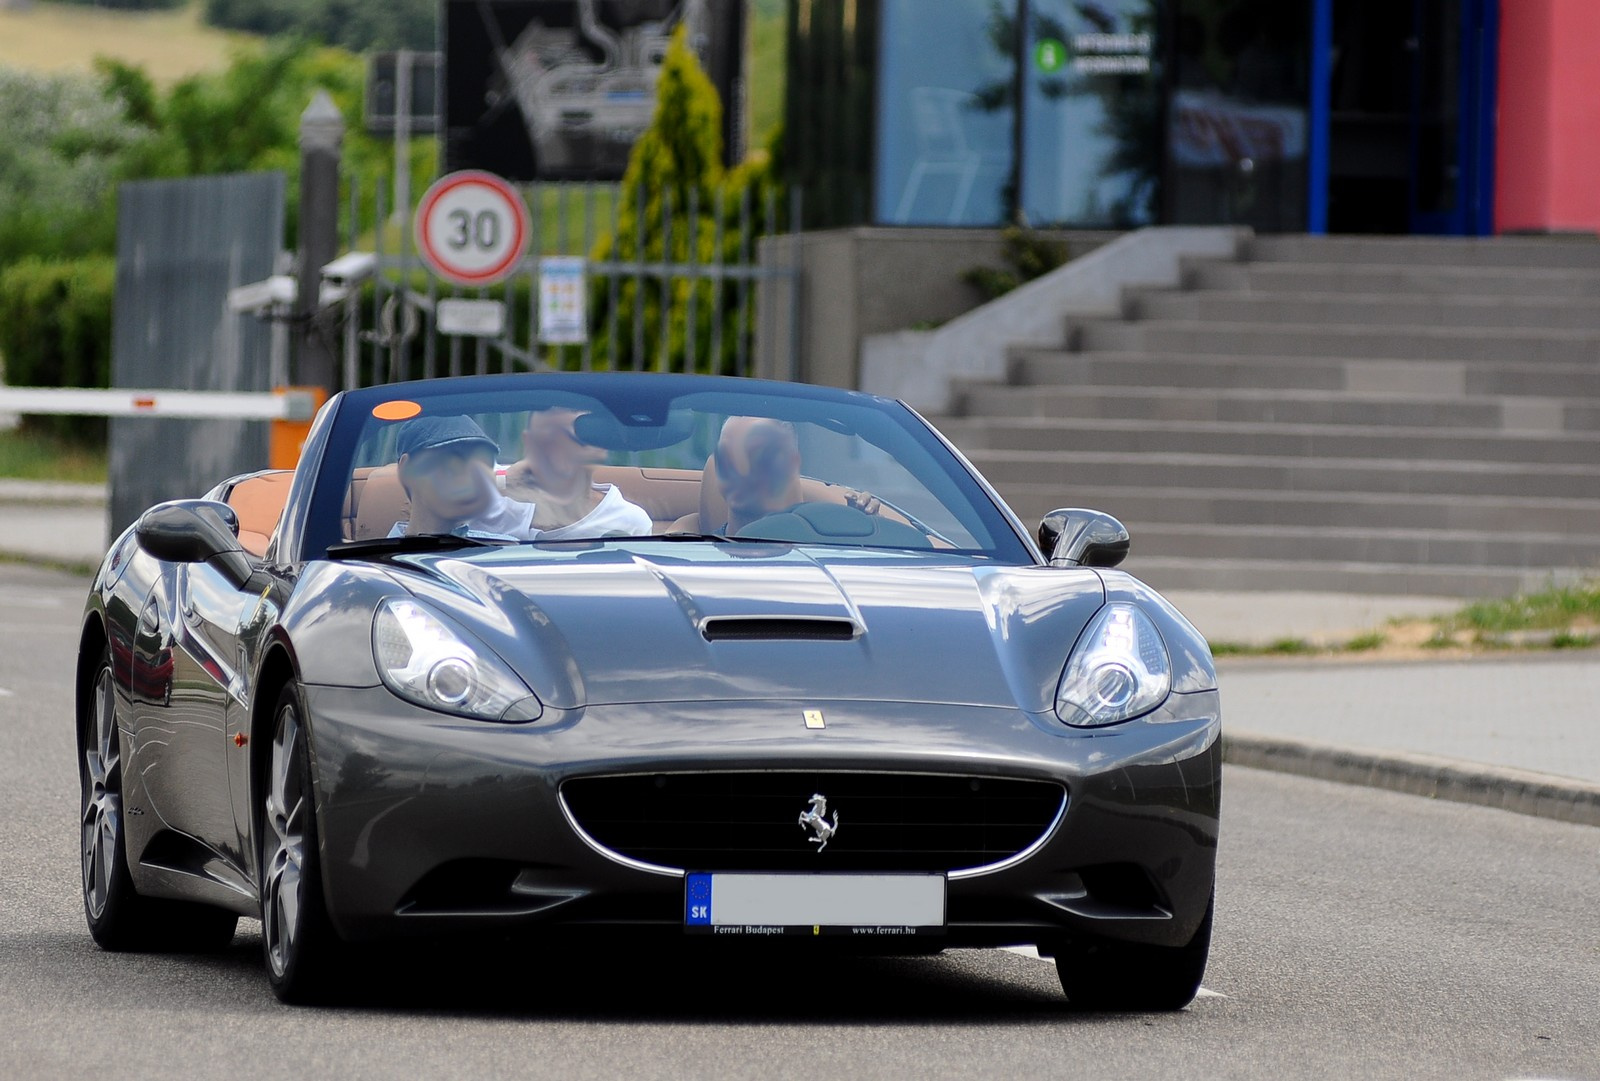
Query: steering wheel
pixel 835 523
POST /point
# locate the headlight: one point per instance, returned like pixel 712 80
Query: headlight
pixel 1118 670
pixel 425 661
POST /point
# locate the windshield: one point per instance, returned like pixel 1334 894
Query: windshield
pixel 548 459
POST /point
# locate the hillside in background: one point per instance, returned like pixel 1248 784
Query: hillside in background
pixel 62 38
pixel 170 44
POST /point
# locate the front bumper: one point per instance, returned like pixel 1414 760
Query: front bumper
pixel 432 825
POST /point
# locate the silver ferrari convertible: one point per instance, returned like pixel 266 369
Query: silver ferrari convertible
pixel 671 658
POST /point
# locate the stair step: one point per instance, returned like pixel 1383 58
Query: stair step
pixel 1393 280
pixel 1282 441
pixel 1173 470
pixel 1256 507
pixel 1107 368
pixel 1369 310
pixel 1318 340
pixel 1248 406
pixel 1581 253
pixel 1349 545
pixel 1245 575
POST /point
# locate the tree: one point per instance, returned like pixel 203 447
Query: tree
pixel 673 193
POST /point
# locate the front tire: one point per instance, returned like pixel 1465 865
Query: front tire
pixel 301 949
pixel 1131 977
pixel 118 917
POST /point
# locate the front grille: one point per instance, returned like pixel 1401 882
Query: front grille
pixel 751 821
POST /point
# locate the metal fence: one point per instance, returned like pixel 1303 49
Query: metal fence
pixel 670 285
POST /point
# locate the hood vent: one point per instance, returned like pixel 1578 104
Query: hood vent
pixel 778 629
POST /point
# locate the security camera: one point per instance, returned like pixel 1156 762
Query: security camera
pixel 351 269
pixel 263 296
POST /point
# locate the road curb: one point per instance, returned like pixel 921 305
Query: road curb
pixel 1519 791
pixel 51 493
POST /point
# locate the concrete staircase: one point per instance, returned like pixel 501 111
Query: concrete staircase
pixel 1365 415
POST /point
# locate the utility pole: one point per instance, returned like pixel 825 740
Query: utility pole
pixel 321 144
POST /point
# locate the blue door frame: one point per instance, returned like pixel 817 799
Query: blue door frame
pixel 1473 213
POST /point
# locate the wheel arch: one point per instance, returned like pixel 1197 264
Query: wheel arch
pixel 92 646
pixel 277 671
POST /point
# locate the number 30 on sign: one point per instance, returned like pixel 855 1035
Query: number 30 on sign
pixel 472 228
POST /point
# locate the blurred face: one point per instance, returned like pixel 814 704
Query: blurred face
pixel 449 483
pixel 757 466
pixel 550 444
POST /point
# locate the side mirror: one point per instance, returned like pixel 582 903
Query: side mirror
pixel 195 531
pixel 1075 537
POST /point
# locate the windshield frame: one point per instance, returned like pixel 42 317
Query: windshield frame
pixel 341 428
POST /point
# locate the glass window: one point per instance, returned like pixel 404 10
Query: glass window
pixel 946 104
pixel 1092 114
pixel 1237 123
pixel 535 460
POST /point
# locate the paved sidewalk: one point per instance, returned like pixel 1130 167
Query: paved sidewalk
pixel 1520 732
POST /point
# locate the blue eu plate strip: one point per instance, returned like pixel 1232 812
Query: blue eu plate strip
pixel 697 901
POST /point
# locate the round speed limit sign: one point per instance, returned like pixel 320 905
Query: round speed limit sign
pixel 472 228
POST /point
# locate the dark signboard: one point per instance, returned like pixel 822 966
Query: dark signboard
pixel 384 78
pixel 561 89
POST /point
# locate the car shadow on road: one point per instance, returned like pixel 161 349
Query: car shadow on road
pixel 675 984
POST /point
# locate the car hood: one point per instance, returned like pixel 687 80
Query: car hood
pixel 632 622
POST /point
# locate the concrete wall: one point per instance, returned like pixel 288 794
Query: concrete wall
pixel 866 281
pixel 920 367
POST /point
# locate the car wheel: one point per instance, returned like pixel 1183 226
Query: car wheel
pixel 301 947
pixel 1129 976
pixel 118 917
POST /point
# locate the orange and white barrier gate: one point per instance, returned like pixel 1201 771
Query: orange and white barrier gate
pixel 290 409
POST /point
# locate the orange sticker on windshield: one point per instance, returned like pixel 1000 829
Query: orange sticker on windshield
pixel 399 410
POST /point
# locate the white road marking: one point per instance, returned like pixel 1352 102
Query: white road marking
pixel 5 693
pixel 1030 951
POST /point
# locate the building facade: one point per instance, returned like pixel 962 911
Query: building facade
pixel 1464 117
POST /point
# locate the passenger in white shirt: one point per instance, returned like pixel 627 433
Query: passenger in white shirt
pixel 556 475
pixel 447 469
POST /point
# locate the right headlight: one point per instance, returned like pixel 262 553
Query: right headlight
pixel 424 660
pixel 1119 670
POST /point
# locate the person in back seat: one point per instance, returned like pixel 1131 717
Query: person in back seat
pixel 556 475
pixel 447 470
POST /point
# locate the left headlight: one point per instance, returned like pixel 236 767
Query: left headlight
pixel 424 660
pixel 1119 670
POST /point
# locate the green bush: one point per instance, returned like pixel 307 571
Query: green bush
pixel 62 144
pixel 675 174
pixel 356 25
pixel 1028 254
pixel 55 331
pixel 128 5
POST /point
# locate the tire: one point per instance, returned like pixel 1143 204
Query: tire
pixel 119 918
pixel 302 951
pixel 1130 977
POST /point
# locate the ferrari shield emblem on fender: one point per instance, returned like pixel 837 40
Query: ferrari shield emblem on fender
pixel 814 719
pixel 817 822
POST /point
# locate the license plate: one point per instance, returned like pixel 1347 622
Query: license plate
pixel 814 904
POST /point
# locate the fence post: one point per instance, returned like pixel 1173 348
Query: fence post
pixel 321 140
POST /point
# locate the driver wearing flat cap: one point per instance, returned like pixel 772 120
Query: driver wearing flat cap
pixel 447 469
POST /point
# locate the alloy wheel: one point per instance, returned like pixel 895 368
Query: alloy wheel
pixel 285 847
pixel 102 798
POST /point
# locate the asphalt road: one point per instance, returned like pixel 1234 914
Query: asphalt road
pixel 1358 934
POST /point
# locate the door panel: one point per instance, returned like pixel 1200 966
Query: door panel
pixel 1452 92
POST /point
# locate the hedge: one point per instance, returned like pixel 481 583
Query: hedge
pixel 55 330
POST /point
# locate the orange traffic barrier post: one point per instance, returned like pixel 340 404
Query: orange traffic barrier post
pixel 288 437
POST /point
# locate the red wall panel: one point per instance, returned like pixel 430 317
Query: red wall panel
pixel 1547 156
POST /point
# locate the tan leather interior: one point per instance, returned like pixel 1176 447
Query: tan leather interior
pixel 259 502
pixel 376 501
pixel 665 494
